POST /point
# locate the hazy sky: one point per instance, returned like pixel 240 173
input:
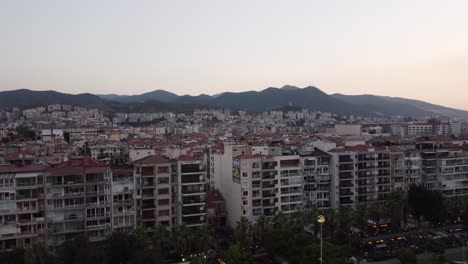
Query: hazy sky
pixel 409 48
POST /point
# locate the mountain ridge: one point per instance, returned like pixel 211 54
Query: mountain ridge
pixel 268 99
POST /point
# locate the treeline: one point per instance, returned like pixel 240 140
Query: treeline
pixel 121 248
pixel 282 235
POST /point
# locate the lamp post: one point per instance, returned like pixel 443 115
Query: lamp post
pixel 321 220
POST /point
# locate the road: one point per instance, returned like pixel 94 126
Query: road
pixel 420 256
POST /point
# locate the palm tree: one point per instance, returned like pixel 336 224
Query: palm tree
pixel 298 221
pixel 203 239
pixel 376 212
pixel 243 232
pixel 37 254
pixel 454 207
pixel 262 226
pixel 160 238
pixel 280 221
pixel 181 239
pixel 360 217
pixel 394 208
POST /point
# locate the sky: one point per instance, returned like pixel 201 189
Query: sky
pixel 414 49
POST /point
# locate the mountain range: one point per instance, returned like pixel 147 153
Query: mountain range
pixel 254 101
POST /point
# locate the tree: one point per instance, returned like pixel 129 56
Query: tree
pixel 161 240
pixel 395 206
pixel 243 233
pixel 77 251
pixel 343 224
pixel 298 221
pixel 120 248
pixel 181 238
pixel 261 227
pixel 203 239
pixel 37 254
pixel 454 208
pixel 435 247
pixel 360 217
pixel 416 202
pixel 236 255
pixel 406 256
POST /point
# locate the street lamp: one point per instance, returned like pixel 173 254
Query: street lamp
pixel 321 220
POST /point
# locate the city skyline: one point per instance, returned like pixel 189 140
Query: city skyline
pixel 393 48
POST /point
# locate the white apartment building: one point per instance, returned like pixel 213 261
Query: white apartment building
pixel 445 170
pixel 78 201
pixel 361 175
pixel 123 200
pixel 21 205
pixel 421 129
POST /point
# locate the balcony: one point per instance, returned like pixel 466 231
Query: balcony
pixel 269 194
pixel 346 167
pixel 269 204
pixel 268 185
pixel 346 175
pixel 193 200
pixel 345 159
pixel 193 210
pixel 269 165
pixel 346 193
pixel 187 190
pixel 268 177
pixel 191 168
pixel 193 179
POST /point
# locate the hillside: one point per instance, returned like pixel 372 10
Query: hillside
pixel 25 98
pixel 268 99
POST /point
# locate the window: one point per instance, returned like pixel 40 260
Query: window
pixel 245 202
pixel 245 193
pixel 245 184
pixel 244 212
pixel 245 174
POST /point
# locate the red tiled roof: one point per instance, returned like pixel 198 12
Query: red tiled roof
pixel 24 168
pixel 256 156
pixel 213 197
pixel 96 169
pixel 153 159
pixel 78 166
pixel 363 148
pixel 189 158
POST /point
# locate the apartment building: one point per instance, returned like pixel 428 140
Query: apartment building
pixel 123 200
pixel 420 129
pixel 21 205
pixel 153 182
pixel 361 175
pixel 255 184
pixel 413 168
pixel 445 170
pixel 190 190
pixel 78 201
pixel 316 169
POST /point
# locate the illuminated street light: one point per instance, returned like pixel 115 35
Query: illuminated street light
pixel 321 220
